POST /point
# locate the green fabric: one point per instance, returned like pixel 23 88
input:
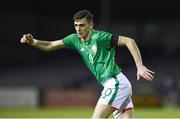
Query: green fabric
pixel 116 90
pixel 97 53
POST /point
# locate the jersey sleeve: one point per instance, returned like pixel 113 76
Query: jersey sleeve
pixel 109 40
pixel 68 41
pixel 114 40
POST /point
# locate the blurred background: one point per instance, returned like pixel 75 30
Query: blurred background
pixel 32 78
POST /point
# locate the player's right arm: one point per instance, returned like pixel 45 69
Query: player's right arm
pixel 46 46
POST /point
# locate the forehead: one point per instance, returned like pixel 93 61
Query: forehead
pixel 81 21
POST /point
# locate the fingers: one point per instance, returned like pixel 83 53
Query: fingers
pixel 138 76
pixel 150 71
pixel 23 39
pixel 147 74
pixel 26 38
pixel 150 75
pixel 145 77
pixel 30 35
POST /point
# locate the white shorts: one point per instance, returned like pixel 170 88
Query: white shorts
pixel 117 93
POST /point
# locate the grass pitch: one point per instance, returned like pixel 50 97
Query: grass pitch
pixel 83 112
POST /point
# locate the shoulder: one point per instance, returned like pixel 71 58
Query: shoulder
pixel 71 40
pixel 100 32
pixel 103 35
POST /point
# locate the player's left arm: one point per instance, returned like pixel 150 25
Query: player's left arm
pixel 142 71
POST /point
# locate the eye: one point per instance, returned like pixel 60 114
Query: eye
pixel 82 25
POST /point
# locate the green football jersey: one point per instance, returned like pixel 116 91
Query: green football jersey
pixel 97 53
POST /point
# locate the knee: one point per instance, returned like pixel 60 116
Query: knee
pixel 100 115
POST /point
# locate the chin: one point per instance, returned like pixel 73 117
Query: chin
pixel 80 36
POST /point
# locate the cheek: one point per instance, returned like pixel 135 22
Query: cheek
pixel 74 27
pixel 86 29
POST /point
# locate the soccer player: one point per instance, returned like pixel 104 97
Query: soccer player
pixel 97 49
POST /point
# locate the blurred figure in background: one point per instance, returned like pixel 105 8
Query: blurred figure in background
pixel 97 48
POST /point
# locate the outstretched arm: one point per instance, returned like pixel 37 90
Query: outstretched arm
pixel 134 50
pixel 46 46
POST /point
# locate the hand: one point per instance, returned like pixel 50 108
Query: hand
pixel 27 38
pixel 145 73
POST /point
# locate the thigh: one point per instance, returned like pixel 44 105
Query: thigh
pixel 102 111
pixel 126 110
pixel 126 114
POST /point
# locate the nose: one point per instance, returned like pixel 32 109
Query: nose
pixel 78 28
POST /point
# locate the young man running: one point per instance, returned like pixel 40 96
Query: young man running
pixel 97 50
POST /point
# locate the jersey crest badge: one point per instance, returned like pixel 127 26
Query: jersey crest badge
pixel 94 48
pixel 82 49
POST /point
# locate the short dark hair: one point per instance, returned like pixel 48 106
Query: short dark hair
pixel 83 14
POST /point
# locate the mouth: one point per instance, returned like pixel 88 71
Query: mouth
pixel 79 34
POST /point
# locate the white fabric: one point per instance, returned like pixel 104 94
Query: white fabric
pixel 122 99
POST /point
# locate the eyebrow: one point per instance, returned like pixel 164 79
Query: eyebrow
pixel 79 24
